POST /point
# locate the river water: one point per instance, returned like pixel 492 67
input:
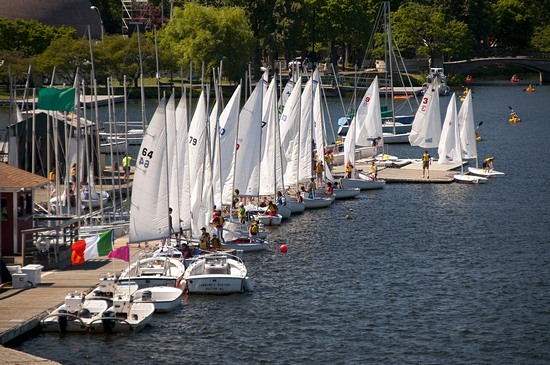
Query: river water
pixel 420 274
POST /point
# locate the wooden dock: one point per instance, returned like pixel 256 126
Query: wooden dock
pixel 410 172
pixel 21 310
pixel 14 357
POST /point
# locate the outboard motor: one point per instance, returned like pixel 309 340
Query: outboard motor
pixel 62 320
pixel 108 321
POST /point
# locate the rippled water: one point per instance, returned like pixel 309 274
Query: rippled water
pixel 421 274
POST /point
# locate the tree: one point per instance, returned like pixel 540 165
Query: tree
pixel 66 54
pixel 420 29
pixel 30 37
pixel 512 24
pixel 197 33
pixel 541 39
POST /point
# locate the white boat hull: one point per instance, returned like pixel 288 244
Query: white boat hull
pixel 295 206
pixel 139 315
pixel 164 298
pixel 363 184
pixel 340 193
pixel 269 220
pixel 216 274
pixel 484 173
pixel 318 202
pixel 390 138
pixel 245 245
pixel 284 211
pixel 469 179
pixel 63 319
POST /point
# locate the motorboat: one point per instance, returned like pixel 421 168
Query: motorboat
pixel 150 270
pixel 123 316
pixel 75 314
pixel 217 274
pixel 165 298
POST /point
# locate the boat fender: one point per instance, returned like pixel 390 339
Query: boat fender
pixel 84 313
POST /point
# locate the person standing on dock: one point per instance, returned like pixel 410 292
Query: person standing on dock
pixel 349 170
pixel 126 163
pixel 319 170
pixel 426 161
pixel 73 173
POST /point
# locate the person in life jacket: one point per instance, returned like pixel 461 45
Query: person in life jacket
pixel 126 163
pixel 373 171
pixel 311 188
pixel 488 164
pixel 205 239
pixel 253 231
pixel 426 160
pixel 349 170
pixel 272 209
pixel 215 242
pixel 242 213
pixel 217 222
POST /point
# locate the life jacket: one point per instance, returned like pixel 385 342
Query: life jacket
pixel 425 157
pixel 254 228
pixel 52 176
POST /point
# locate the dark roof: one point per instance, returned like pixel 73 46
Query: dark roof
pixel 74 13
pixel 14 179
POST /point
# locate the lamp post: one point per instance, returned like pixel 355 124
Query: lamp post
pixel 100 19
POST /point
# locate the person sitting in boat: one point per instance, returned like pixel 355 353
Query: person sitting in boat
pixel 514 118
pixel 186 251
pixel 530 88
pixel 215 242
pixel 205 239
pixel 335 185
pixel 271 209
pixel 469 78
pixel 281 200
pixel 349 170
pixel 253 231
pixel 263 203
pixel 329 190
pixel 311 186
pixel 488 164
pixel 300 194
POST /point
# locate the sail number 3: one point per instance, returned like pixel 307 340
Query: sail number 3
pixel 145 157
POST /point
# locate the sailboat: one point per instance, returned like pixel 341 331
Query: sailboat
pixel 450 146
pixel 426 126
pixel 365 128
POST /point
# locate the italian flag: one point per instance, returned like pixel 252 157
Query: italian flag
pixel 92 247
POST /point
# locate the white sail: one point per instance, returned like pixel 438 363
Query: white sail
pixel 305 166
pixel 270 169
pixel 349 145
pixel 288 90
pixel 449 143
pixel 246 174
pixel 184 205
pixel 173 169
pixel 426 126
pixel 369 117
pixel 228 123
pixel 197 140
pixel 149 207
pixel 467 128
pixel 290 126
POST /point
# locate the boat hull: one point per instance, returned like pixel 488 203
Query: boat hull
pixel 245 245
pixel 363 184
pixel 483 172
pixel 214 284
pixel 164 298
pixel 469 179
pixel 295 206
pixel 269 220
pixel 139 316
pixel 340 193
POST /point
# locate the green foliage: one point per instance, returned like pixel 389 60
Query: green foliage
pixel 420 29
pixel 203 34
pixel 30 37
pixel 66 54
pixel 541 39
pixel 512 23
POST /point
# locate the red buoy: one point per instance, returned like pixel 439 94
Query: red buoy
pixel 283 248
